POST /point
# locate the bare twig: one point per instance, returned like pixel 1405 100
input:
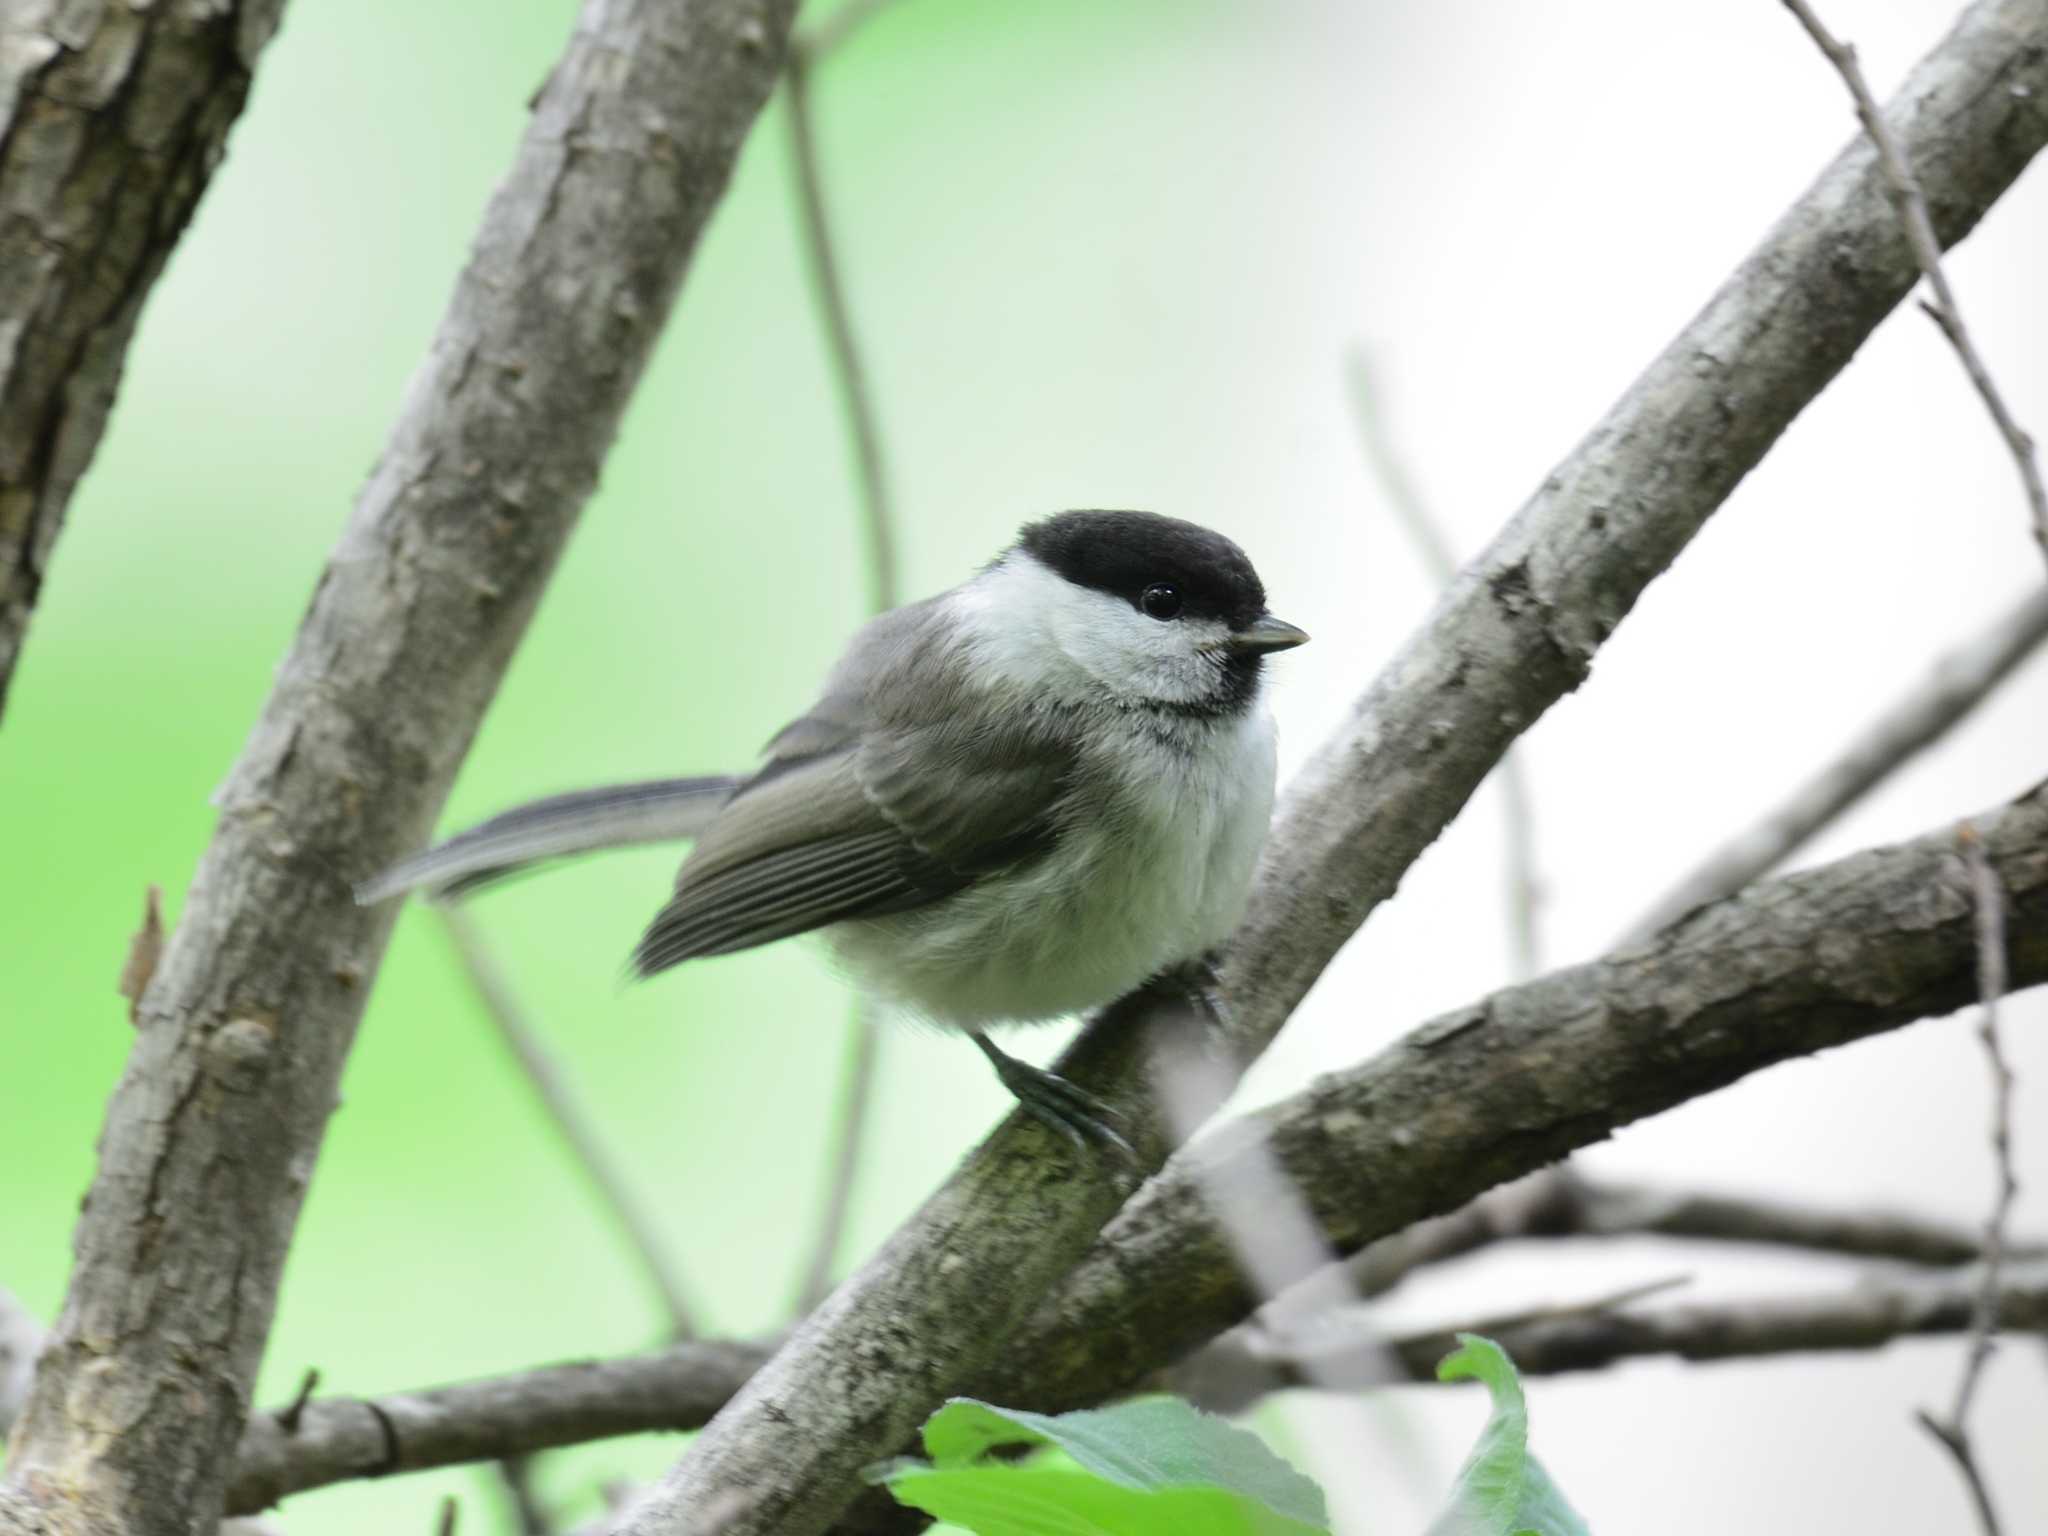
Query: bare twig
pixel 1517 630
pixel 856 393
pixel 145 948
pixel 1859 1317
pixel 500 999
pixel 444 1521
pixel 515 1476
pixel 849 1132
pixel 1911 204
pixel 856 396
pixel 1959 682
pixel 210 1139
pixel 1518 813
pixel 1993 980
pixel 288 1416
pixel 814 42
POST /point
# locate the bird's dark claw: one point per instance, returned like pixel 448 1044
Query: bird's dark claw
pixel 1057 1104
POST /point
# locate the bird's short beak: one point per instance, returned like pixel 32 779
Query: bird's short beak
pixel 1267 633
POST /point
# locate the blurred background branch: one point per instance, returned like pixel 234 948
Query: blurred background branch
pixel 1958 683
pixel 881 563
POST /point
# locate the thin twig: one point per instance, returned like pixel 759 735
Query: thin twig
pixel 515 1474
pixel 816 41
pixel 444 1521
pixel 856 395
pixel 1524 890
pixel 849 1122
pixel 1987 897
pixel 288 1416
pixel 1911 203
pixel 1958 683
pixel 494 989
pixel 145 949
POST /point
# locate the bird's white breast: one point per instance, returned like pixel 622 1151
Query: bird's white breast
pixel 1152 873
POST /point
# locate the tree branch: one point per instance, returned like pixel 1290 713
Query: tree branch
pixel 1493 1091
pixel 1515 633
pixel 878 527
pixel 1911 204
pixel 1959 682
pixel 1865 1316
pixel 586 1147
pixel 1789 967
pixel 1524 889
pixel 212 1133
pixel 112 120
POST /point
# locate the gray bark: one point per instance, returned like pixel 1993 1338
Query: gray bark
pixel 112 120
pixel 1490 1092
pixel 1515 633
pixel 1494 1091
pixel 141 1395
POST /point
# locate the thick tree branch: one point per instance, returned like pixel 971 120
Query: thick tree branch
pixel 1516 632
pixel 1958 683
pixel 112 120
pixel 1491 1092
pixel 1789 967
pixel 212 1133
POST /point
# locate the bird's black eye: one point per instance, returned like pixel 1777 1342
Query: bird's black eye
pixel 1161 600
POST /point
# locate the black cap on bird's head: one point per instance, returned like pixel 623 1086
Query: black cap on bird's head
pixel 1164 568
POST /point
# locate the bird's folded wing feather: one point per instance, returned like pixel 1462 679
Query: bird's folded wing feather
pixel 882 820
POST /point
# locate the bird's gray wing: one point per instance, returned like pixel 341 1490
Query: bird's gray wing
pixel 861 812
pixel 584 821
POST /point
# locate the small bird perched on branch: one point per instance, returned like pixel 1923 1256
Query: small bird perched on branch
pixel 1019 799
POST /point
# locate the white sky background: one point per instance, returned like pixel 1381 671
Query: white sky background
pixel 1514 207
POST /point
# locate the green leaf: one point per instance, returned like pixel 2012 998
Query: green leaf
pixel 1501 1490
pixel 993 1499
pixel 1143 1468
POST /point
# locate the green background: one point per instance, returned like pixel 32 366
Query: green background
pixel 1101 254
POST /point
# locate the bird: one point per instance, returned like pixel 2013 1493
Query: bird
pixel 1017 800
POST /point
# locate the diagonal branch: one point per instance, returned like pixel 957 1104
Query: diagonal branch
pixel 878 527
pixel 501 1004
pixel 1791 966
pixel 112 121
pixel 211 1136
pixel 1515 633
pixel 1958 683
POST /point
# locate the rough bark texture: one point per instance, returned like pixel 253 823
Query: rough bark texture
pixel 1515 633
pixel 340 1438
pixel 141 1395
pixel 1491 1092
pixel 113 117
pixel 1864 945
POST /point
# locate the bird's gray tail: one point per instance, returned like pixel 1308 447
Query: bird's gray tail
pixel 585 821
